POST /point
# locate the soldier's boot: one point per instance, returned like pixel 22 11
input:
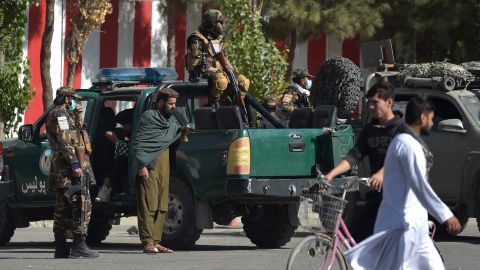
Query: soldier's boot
pixel 62 251
pixel 80 248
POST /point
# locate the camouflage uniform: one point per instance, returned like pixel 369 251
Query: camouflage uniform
pixel 67 136
pixel 201 47
pixel 295 96
pixel 270 104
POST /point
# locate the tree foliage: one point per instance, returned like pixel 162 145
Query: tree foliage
pixel 14 69
pixel 343 18
pixel 293 20
pixel 431 30
pixel 248 50
pixel 85 16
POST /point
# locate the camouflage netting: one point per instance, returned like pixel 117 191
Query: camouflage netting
pixel 430 70
pixel 473 67
pixel 338 83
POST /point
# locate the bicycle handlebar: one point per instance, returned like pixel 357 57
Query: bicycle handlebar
pixel 344 182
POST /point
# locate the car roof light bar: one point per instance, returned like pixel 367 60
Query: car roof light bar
pixel 136 74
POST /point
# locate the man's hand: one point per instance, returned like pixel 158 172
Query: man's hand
pixel 211 70
pixel 143 172
pixel 453 225
pixel 77 172
pixel 111 136
pixel 328 177
pixel 376 180
pixel 186 131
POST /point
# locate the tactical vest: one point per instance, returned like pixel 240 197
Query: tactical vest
pixel 208 47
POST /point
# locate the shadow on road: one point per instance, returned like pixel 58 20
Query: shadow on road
pixel 463 239
pixel 126 248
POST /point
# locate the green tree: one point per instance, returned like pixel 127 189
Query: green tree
pixel 248 50
pixel 85 16
pixel 14 69
pixel 432 30
pixel 299 20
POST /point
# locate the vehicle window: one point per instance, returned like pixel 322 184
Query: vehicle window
pixel 473 106
pixel 400 103
pixel 444 109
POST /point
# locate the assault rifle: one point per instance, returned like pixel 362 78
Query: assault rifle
pixel 237 96
pixel 199 71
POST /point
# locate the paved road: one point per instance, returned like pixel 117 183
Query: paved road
pixel 221 248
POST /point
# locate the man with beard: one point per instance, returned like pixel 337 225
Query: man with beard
pixel 200 62
pixel 401 239
pixel 157 130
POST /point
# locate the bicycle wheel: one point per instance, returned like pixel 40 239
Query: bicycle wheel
pixel 315 253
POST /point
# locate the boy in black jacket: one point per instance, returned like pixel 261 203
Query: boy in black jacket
pixel 372 142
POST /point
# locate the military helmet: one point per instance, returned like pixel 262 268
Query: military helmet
pixel 212 15
pixel 67 91
pixel 301 73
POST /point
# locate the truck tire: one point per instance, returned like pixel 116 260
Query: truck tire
pixel 6 225
pixel 269 228
pixel 179 229
pixel 98 230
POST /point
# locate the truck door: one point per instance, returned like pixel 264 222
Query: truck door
pixel 32 160
pixel 448 148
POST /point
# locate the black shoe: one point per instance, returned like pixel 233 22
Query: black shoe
pixel 80 248
pixel 62 251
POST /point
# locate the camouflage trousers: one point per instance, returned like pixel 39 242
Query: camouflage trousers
pixel 72 215
pixel 220 83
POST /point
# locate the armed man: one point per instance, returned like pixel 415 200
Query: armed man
pixel 296 95
pixel 207 58
pixel 70 175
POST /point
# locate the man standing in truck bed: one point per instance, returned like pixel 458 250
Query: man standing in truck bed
pixel 200 62
pixel 373 141
pixel 72 209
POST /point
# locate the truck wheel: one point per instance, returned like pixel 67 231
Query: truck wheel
pixel 98 230
pixel 269 229
pixel 6 226
pixel 179 229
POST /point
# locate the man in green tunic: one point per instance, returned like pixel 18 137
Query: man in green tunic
pixel 157 130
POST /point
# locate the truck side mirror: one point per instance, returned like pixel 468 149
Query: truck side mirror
pixel 452 125
pixel 25 133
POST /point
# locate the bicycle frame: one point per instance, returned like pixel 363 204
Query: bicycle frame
pixel 340 236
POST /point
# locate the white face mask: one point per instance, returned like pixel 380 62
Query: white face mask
pixel 309 84
pixel 73 104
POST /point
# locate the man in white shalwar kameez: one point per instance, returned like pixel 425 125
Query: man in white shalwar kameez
pixel 401 239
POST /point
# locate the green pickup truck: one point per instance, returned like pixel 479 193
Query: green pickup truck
pixel 226 169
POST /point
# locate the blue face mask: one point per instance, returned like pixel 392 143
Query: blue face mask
pixel 73 104
pixel 309 84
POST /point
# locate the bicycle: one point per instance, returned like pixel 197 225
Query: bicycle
pixel 331 237
pixel 323 249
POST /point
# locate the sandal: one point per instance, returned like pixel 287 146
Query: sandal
pixel 162 249
pixel 150 249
